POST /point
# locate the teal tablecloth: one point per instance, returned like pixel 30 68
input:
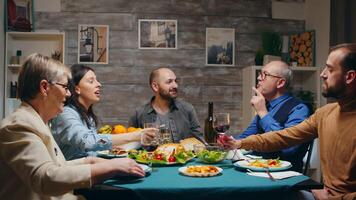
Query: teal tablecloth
pixel 167 183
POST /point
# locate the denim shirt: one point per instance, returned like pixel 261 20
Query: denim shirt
pixel 75 138
pixel 182 119
pixel 298 114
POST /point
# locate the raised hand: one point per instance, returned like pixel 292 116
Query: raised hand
pixel 258 102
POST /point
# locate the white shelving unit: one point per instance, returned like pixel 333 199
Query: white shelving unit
pixel 45 43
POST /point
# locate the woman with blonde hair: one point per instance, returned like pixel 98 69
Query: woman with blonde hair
pixel 32 165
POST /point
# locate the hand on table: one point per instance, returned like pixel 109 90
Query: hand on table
pixel 127 167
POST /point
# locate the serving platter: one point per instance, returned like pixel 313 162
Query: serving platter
pixel 200 170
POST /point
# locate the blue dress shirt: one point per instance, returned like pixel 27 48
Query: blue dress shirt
pixel 298 114
pixel 75 138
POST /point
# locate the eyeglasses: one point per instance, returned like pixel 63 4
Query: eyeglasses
pixel 264 75
pixel 64 86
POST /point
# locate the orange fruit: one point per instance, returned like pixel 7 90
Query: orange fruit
pixel 131 129
pixel 119 129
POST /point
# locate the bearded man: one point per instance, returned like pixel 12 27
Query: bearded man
pixel 333 124
pixel 165 109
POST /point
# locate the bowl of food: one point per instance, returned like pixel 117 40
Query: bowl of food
pixel 211 154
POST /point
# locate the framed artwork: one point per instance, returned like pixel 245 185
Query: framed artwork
pixel 157 34
pixel 302 48
pixel 220 46
pixel 19 15
pixel 93 44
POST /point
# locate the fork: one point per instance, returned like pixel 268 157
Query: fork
pixel 269 174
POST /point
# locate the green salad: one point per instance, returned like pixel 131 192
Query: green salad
pixel 211 156
pixel 142 156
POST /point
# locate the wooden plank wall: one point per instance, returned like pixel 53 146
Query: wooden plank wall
pixel 125 78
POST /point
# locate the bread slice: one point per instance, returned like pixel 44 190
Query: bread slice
pixel 189 143
pixel 169 149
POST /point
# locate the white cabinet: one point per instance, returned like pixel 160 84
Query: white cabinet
pixel 45 43
pixel 304 78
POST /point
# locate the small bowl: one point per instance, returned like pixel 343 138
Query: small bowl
pixel 211 154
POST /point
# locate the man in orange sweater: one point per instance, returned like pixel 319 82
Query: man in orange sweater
pixel 333 124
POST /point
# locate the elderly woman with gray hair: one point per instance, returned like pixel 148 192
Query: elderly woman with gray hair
pixel 32 165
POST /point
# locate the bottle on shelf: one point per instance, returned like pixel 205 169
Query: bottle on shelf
pixel 210 135
pixel 13 89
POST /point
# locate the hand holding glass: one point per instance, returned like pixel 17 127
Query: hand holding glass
pixel 221 122
pixel 150 144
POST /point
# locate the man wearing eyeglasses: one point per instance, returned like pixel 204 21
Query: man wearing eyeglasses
pixel 276 109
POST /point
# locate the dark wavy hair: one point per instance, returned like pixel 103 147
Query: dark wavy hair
pixel 78 72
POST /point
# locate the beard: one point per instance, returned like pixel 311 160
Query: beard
pixel 167 95
pixel 336 91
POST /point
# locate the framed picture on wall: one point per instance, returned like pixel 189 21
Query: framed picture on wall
pixel 157 34
pixel 220 46
pixel 19 15
pixel 93 44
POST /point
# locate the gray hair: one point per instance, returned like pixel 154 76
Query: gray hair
pixel 286 73
pixel 35 69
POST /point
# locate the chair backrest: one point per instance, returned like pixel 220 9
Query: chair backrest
pixel 308 154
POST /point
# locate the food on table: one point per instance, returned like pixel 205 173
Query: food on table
pixel 189 143
pixel 117 151
pixel 106 129
pixel 132 129
pixel 263 163
pixel 119 129
pixel 212 154
pixel 200 171
pixel 169 153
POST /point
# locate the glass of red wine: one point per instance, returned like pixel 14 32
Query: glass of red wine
pixel 221 123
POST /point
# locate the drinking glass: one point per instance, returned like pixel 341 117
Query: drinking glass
pixel 165 134
pixel 150 145
pixel 221 122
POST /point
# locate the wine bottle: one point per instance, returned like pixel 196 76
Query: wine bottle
pixel 210 135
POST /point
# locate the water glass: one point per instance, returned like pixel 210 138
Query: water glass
pixel 147 144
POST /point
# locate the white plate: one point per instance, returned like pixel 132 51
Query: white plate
pixel 146 168
pixel 107 154
pixel 183 170
pixel 244 164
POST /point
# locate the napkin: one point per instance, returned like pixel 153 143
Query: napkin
pixel 238 154
pixel 275 175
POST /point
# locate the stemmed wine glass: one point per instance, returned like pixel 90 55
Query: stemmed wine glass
pixel 221 122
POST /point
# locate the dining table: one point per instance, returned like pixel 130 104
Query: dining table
pixel 166 182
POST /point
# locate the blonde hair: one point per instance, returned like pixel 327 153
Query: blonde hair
pixel 35 69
